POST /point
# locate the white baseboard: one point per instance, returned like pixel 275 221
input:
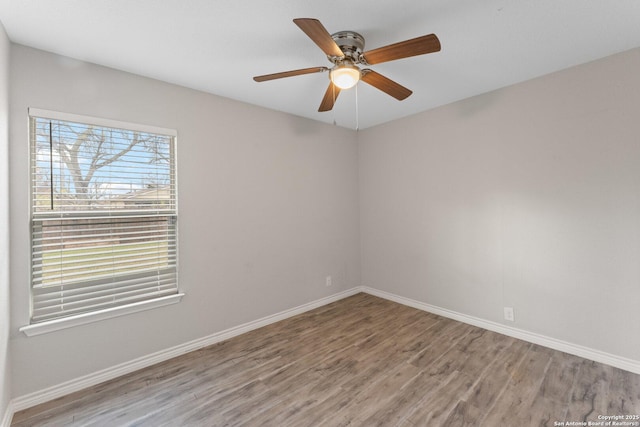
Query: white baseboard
pixel 54 392
pixel 567 347
pixel 8 415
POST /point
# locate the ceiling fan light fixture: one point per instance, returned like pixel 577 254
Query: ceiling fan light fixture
pixel 345 76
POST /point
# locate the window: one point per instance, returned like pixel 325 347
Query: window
pixel 103 215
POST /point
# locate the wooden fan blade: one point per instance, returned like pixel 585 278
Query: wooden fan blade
pixel 330 97
pixel 290 73
pixel 405 49
pixel 320 36
pixel 385 84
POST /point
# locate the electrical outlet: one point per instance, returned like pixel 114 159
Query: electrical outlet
pixel 508 314
pixel 328 281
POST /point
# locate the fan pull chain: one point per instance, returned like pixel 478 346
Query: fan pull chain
pixel 333 110
pixel 357 111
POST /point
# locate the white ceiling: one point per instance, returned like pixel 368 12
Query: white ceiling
pixel 217 46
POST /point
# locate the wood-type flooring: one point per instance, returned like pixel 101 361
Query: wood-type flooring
pixel 361 361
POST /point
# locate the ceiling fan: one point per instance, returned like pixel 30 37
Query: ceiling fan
pixel 344 50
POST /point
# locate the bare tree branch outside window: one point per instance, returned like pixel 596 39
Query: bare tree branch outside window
pixel 93 165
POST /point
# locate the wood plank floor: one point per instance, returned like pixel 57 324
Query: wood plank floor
pixel 361 361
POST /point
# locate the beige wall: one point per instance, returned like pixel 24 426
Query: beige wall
pixel 527 197
pixel 267 209
pixel 5 370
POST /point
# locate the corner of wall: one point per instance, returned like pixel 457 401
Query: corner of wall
pixel 5 380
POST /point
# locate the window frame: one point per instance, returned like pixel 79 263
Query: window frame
pixel 110 312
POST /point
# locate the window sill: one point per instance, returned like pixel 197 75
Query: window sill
pixel 83 319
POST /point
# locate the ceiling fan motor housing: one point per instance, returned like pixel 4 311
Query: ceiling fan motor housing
pixel 351 44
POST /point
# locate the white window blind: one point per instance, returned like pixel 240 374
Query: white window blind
pixel 104 215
